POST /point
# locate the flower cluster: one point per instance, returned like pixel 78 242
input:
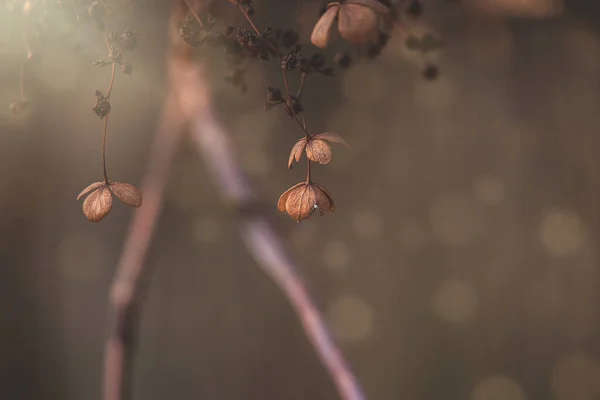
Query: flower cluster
pixel 362 23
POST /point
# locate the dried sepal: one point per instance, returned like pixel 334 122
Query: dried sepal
pixel 283 198
pixel 357 24
pixel 98 204
pixel 332 138
pixel 325 202
pixel 319 151
pixel 297 151
pixel 301 200
pixel 372 4
pixel 127 193
pixel 320 34
pixel 89 189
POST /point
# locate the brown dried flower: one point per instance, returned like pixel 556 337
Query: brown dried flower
pixel 317 148
pixel 358 21
pixel 98 202
pixel 301 200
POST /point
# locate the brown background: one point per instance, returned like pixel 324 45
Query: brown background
pixel 461 262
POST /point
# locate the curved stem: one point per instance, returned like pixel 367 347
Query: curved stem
pixel 104 150
pixel 239 6
pixel 112 80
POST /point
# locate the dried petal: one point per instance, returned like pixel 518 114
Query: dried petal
pixel 357 24
pixel 89 189
pixel 127 193
pixel 325 201
pixel 301 202
pixel 332 138
pixel 320 34
pixel 318 150
pixel 372 4
pixel 283 198
pixel 98 204
pixel 297 151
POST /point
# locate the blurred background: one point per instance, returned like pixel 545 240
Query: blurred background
pixel 461 262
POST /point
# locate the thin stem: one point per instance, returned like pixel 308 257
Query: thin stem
pixel 104 149
pixel 241 8
pixel 308 177
pixel 303 76
pixel 112 80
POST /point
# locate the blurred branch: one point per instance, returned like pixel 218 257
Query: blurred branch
pixel 188 105
pixel 259 236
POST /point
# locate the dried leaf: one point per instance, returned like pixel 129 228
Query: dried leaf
pixel 283 198
pixel 89 189
pixel 301 202
pixel 98 204
pixel 320 34
pixel 357 24
pixel 297 151
pixel 332 138
pixel 372 4
pixel 127 193
pixel 318 150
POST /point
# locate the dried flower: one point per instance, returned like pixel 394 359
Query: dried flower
pixel 301 200
pixel 98 202
pixel 358 21
pixel 102 105
pixel 316 147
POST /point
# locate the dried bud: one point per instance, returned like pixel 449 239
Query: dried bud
pixel 357 22
pixel 128 40
pixel 316 147
pixel 301 200
pixel 126 68
pixel 289 62
pixel 102 105
pixel 98 202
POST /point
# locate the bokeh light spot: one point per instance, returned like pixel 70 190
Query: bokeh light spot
pixel 562 233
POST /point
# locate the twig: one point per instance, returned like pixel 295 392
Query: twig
pixel 126 288
pixel 258 235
